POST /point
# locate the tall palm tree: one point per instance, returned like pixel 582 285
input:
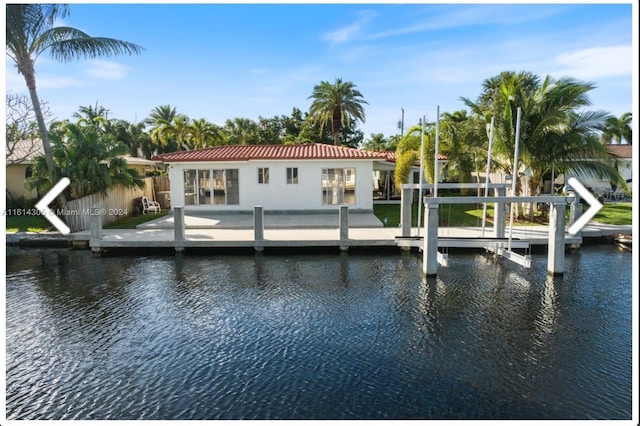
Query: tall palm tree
pixel 31 32
pixel 176 133
pixel 338 103
pixel 552 133
pixel 161 114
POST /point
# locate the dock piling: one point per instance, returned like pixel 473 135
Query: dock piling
pixel 405 210
pixel 179 228
pixel 95 225
pixel 430 250
pixel 344 227
pixel 258 227
pixel 555 257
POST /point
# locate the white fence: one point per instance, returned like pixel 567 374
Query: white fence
pixel 117 203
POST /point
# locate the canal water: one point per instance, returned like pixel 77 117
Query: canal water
pixel 317 336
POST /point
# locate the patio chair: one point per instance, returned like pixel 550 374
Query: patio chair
pixel 150 206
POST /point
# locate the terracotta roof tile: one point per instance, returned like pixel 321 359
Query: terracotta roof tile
pixel 270 152
pixel 622 151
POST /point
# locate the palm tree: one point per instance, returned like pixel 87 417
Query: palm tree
pixel 241 131
pixel 408 153
pixel 176 133
pixel 204 134
pixel 464 142
pixel 135 137
pixel 377 142
pixel 161 114
pixel 616 129
pixel 31 32
pixel 552 134
pixel 89 157
pixel 338 104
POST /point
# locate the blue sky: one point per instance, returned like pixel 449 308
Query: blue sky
pixel 220 61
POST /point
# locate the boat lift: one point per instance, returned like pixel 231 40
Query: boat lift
pixel 499 244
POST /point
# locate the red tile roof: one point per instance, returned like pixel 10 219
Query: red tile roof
pixel 622 151
pixel 270 152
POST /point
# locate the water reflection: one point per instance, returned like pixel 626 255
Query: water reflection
pixel 315 336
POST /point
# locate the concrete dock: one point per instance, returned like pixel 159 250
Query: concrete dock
pixel 288 230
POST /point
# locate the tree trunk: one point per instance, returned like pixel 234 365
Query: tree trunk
pixel 336 125
pixel 29 76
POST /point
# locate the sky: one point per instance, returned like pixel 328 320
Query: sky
pixel 221 61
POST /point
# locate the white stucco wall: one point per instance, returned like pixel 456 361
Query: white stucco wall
pixel 277 194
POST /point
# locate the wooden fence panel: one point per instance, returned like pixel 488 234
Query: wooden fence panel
pixel 118 203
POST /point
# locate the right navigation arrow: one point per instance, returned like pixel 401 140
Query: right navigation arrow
pixel 594 206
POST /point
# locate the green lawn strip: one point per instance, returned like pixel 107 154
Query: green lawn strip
pixel 471 215
pixel 614 214
pixel 28 223
pixel 449 214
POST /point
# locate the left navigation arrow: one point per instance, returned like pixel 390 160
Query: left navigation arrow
pixel 43 205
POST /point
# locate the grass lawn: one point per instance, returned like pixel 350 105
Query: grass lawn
pixel 33 223
pixel 615 214
pixel 471 215
pixel 40 224
pixel 450 214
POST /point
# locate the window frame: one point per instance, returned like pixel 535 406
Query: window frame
pixel 263 175
pixel 292 176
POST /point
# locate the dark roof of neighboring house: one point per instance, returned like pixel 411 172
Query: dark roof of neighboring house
pixel 311 151
pixel 620 150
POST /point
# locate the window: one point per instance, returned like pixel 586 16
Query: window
pixel 263 175
pixel 190 187
pixel 211 187
pixel 338 186
pixel 204 187
pixel 292 175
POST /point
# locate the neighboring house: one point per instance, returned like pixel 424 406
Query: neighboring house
pixel 19 158
pixel 21 155
pixel 622 157
pixel 142 165
pixel 384 186
pixel 277 177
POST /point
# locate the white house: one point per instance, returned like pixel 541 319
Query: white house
pixel 310 177
pixel 622 158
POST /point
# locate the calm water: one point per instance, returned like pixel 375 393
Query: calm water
pixel 316 337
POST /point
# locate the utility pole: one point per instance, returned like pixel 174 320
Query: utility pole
pixel 401 123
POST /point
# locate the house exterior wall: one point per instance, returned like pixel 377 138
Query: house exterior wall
pixel 278 195
pixel 16 176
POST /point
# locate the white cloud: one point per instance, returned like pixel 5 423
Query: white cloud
pixel 349 32
pixel 447 17
pixel 107 70
pixel 596 62
pixel 15 82
pixel 259 71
